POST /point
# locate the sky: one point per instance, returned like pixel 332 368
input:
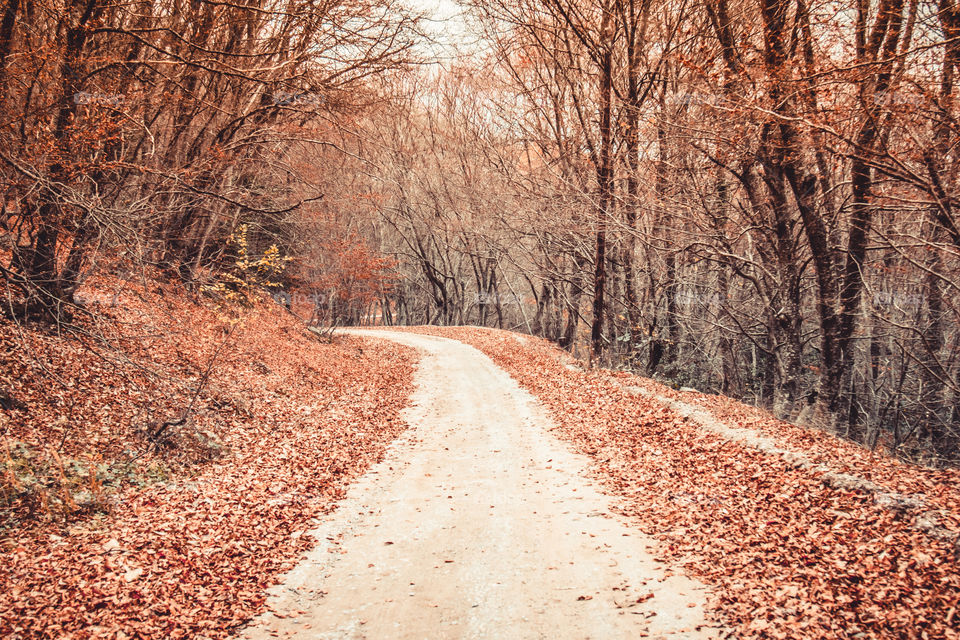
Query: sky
pixel 445 23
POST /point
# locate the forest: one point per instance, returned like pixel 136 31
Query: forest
pixel 749 198
pixel 479 318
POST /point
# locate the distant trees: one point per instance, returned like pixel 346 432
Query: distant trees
pixel 755 197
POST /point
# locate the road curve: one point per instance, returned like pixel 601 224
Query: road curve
pixel 479 523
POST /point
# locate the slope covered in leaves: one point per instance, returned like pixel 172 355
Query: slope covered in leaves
pixel 938 487
pixel 788 557
pixel 177 535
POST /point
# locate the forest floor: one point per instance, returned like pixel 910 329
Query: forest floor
pixel 106 532
pixel 480 485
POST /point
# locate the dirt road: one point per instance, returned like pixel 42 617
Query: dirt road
pixel 478 524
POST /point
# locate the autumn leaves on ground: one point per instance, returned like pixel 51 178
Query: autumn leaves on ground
pixel 165 460
pixel 111 529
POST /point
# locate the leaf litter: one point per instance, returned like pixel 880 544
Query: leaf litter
pixel 286 422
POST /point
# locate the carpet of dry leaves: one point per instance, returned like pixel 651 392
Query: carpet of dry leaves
pixel 177 537
pixel 787 556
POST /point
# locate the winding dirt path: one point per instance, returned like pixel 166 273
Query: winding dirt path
pixel 479 523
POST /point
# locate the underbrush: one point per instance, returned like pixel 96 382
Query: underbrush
pixel 116 395
pixel 39 485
